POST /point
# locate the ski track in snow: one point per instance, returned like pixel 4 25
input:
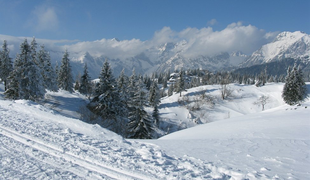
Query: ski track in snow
pixel 35 146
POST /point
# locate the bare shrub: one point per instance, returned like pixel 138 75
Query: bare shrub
pixel 262 101
pixel 226 91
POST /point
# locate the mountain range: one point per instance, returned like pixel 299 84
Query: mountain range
pixel 171 56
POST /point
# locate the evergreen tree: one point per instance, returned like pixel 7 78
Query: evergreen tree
pixel 47 70
pixel 132 88
pixel 25 80
pixel 33 49
pixel 154 96
pixel 5 64
pixel 302 88
pixel 106 79
pixel 170 90
pixel 85 84
pixel 154 100
pixel 155 115
pixel 123 84
pixel 140 125
pixel 65 79
pixel 77 82
pixel 107 103
pixel 294 90
pixel 181 83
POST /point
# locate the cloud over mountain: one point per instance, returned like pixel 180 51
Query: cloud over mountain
pixel 204 41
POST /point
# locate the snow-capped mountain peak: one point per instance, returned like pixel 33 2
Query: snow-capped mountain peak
pixel 286 45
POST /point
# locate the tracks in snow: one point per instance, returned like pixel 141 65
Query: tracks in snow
pixel 105 171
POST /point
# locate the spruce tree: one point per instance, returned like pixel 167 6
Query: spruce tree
pixel 294 90
pixel 154 96
pixel 5 64
pixel 123 84
pixel 140 125
pixel 25 79
pixel 47 70
pixel 85 84
pixel 181 83
pixel 170 90
pixel 155 115
pixel 65 79
pixel 107 102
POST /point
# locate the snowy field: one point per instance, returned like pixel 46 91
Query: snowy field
pixel 238 142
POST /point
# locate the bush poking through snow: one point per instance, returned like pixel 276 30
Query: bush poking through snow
pixel 262 101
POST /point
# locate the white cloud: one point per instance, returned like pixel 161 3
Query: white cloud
pixel 44 18
pixel 235 37
pixel 204 41
pixel 212 22
pixel 109 47
pixel 163 36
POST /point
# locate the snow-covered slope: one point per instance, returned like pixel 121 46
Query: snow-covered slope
pixel 273 144
pixel 39 143
pixel 286 45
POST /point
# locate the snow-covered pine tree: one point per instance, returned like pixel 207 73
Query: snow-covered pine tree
pixel 154 100
pixel 48 73
pixel 6 65
pixel 33 77
pixel 302 88
pixel 170 90
pixel 181 83
pixel 154 96
pixel 294 90
pixel 35 89
pixel 106 79
pixel 25 80
pixel 85 84
pixel 123 84
pixel 140 125
pixel 33 49
pixel 107 103
pixel 155 115
pixel 65 79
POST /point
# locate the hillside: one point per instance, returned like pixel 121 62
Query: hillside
pixel 240 142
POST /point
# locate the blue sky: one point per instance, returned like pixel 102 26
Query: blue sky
pixel 140 19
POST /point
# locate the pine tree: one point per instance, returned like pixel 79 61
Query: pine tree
pixel 154 96
pixel 33 49
pixel 155 115
pixel 107 102
pixel 170 90
pixel 123 84
pixel 5 64
pixel 33 79
pixel 106 79
pixel 65 79
pixel 140 125
pixel 85 84
pixel 132 87
pixel 25 79
pixel 47 70
pixel 294 90
pixel 181 83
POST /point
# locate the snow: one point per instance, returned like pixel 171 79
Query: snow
pixel 285 45
pixel 273 144
pixel 48 141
